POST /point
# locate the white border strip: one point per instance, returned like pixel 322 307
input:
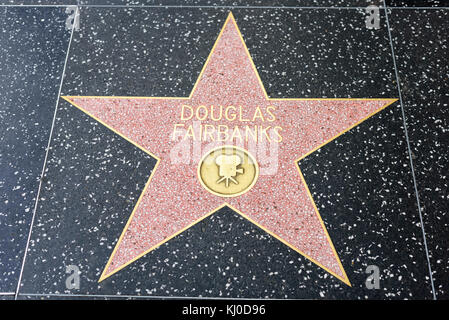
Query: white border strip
pixel 45 160
pixel 213 7
pixel 68 295
pixel 410 153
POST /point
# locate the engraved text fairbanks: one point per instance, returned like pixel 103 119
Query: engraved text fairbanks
pixel 259 124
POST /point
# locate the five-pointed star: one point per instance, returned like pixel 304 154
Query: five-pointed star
pixel 173 198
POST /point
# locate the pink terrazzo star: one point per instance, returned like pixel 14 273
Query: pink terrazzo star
pixel 173 199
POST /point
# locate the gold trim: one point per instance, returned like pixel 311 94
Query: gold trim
pixel 250 156
pixel 391 101
pixel 344 279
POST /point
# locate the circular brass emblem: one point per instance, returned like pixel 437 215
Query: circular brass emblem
pixel 228 171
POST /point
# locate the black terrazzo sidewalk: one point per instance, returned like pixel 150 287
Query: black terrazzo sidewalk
pixel 370 199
